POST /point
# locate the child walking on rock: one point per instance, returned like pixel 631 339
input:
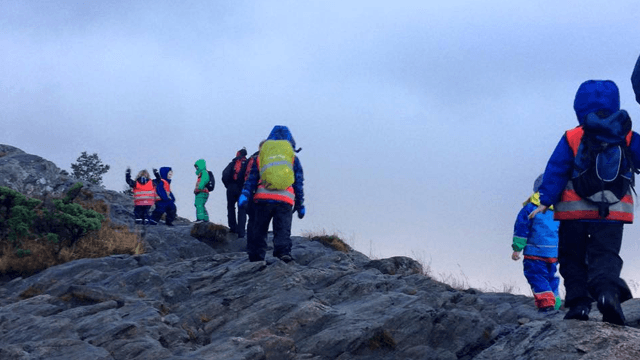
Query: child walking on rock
pixel 538 238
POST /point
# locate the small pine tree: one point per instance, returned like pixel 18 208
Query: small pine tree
pixel 89 168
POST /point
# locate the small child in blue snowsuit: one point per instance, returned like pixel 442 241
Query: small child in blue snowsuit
pixel 165 201
pixel 538 238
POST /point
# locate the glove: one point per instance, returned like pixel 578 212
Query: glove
pixel 128 171
pixel 301 211
pixel 242 201
pixel 155 171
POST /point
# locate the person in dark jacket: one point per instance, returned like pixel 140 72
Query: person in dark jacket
pixel 165 201
pixel 250 209
pixel 144 195
pixel 590 238
pixel 273 205
pixel 233 180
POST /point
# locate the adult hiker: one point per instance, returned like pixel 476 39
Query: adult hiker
pixel 233 180
pixel 250 211
pixel 593 200
pixel 275 185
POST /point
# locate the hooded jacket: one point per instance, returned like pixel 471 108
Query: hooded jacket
pixel 538 237
pixel 294 195
pixel 557 188
pixel 635 80
pixel 233 174
pixel 163 189
pixel 203 176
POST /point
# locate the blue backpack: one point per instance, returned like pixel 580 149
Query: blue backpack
pixel 603 170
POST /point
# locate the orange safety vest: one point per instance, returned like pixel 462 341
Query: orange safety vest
pixel 144 194
pixel 262 193
pixel 573 207
pixel 167 189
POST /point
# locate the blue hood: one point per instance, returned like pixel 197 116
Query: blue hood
pixel 164 171
pixel 594 95
pixel 635 80
pixel 281 132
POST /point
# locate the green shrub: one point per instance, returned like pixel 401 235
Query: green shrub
pixel 58 221
pixel 16 215
pixel 36 234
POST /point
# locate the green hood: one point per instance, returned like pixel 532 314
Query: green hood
pixel 201 166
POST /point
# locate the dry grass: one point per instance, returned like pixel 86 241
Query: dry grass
pixel 110 239
pixel 333 241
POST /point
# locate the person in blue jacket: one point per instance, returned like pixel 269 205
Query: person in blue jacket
pixel 273 205
pixel 590 236
pixel 165 202
pixel 635 80
pixel 538 237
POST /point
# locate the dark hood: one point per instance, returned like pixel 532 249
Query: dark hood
pixel 612 129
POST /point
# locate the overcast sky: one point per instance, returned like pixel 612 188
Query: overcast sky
pixel 423 123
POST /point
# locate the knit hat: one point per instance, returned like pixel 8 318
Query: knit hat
pixel 537 183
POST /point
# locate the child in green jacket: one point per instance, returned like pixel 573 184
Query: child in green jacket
pixel 201 191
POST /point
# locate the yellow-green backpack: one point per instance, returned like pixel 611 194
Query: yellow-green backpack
pixel 276 164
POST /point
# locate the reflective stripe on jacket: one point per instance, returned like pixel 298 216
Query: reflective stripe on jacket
pixel 144 194
pixel 262 193
pixel 285 196
pixel 572 207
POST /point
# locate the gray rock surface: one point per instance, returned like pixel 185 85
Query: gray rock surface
pixel 188 299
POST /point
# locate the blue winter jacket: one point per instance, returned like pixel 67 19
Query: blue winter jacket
pixel 591 97
pixel 539 235
pixel 160 190
pixel 279 132
pixel 635 80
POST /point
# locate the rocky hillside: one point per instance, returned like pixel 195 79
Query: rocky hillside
pixel 191 299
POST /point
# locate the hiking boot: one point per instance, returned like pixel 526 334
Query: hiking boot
pixel 152 222
pixel 199 221
pixel 286 258
pixel 139 221
pixel 609 306
pixel 578 312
